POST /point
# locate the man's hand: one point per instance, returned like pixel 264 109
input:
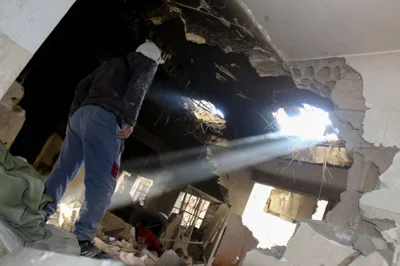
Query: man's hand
pixel 125 132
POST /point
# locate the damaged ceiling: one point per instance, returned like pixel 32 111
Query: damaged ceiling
pixel 213 53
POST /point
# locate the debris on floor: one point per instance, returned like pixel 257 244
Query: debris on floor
pixel 112 224
pixel 66 215
pixel 118 239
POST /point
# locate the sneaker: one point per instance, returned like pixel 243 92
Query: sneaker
pixel 88 249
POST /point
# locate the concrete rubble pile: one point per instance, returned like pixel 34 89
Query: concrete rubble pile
pixel 61 246
pixel 123 246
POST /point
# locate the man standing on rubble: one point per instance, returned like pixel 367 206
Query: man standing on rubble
pixel 103 114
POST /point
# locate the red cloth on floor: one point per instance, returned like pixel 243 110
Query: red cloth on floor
pixel 151 241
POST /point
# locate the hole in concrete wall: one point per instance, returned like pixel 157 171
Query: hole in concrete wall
pixel 271 214
pixel 307 122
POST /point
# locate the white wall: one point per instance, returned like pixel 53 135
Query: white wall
pixel 310 29
pixel 29 22
pixel 381 82
pixel 24 26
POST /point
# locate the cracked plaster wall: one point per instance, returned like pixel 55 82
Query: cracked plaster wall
pixel 364 90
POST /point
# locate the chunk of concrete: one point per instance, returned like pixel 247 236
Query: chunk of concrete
pixel 390 178
pixel 342 235
pixel 307 247
pixel 392 235
pixel 381 204
pixel 374 259
pixel 364 244
pixel 379 244
pixel 346 212
pixel 364 234
pixel 363 175
pixel 257 258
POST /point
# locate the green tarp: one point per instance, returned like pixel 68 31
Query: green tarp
pixel 22 196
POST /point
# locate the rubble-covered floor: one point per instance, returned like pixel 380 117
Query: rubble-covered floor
pixel 231 65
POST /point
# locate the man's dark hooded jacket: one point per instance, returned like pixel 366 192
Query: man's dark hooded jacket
pixel 118 85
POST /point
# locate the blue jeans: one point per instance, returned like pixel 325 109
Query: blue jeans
pixel 91 140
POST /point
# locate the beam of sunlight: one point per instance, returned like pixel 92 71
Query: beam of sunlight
pixel 311 123
pixel 185 167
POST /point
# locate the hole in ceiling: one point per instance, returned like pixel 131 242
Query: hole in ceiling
pixel 308 122
pixel 206 112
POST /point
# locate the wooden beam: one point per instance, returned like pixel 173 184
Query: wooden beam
pixel 298 185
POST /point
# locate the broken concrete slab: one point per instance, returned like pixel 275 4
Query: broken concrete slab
pixel 380 204
pixel 364 234
pixel 312 246
pixel 362 176
pixel 387 254
pixel 382 224
pixel 342 235
pixel 390 178
pixel 364 244
pixel 374 259
pixel 346 212
pixel 379 244
pixel 258 258
pixel 392 236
